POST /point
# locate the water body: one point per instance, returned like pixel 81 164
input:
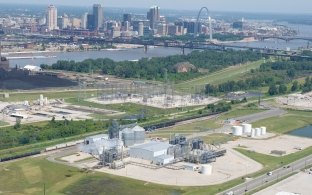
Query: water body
pixel 117 55
pixel 302 132
pixel 138 53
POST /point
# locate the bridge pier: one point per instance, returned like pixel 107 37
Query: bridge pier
pixel 145 48
pixel 183 50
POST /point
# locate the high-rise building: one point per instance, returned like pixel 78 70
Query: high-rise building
pixel 52 18
pixel 90 22
pixel 84 19
pixel 127 18
pixel 162 29
pixel 153 16
pixel 98 16
pixel 141 29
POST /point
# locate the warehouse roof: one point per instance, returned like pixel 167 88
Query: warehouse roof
pixel 152 146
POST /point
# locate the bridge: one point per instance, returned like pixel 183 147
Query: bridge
pixel 284 38
pixel 206 45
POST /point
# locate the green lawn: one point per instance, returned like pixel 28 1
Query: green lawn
pixel 205 125
pixel 28 176
pixel 2 123
pixel 288 122
pixel 129 108
pixel 232 73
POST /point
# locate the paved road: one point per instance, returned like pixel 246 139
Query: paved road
pixel 262 115
pixel 276 176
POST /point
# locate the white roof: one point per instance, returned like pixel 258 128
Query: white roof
pixel 99 136
pixel 164 157
pixel 138 128
pixel 32 67
pixel 286 193
pixel 152 146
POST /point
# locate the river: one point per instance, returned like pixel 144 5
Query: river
pixel 138 53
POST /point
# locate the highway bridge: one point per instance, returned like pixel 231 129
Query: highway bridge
pixel 206 45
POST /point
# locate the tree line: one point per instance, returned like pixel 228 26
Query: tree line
pixel 158 68
pixel 275 75
pixel 19 135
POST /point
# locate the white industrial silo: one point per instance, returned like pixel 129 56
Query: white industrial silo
pixel 253 132
pixel 258 132
pixel 206 169
pixel 263 130
pixel 237 130
pixel 246 128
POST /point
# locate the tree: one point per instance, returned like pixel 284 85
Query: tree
pixel 295 86
pixel 273 90
pixel 282 89
pixel 17 123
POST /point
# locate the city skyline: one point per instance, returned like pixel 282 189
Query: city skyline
pixel 278 6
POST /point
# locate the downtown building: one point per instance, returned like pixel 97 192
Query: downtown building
pixel 51 18
pixel 153 15
pixel 95 21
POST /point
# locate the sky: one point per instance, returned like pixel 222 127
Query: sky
pixel 272 6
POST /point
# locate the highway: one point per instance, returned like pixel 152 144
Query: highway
pixel 276 176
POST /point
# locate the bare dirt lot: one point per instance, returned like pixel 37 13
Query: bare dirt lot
pixel 160 101
pixel 299 101
pixel 287 143
pixel 296 184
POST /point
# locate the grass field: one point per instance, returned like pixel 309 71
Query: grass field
pixel 201 126
pixel 2 123
pixel 232 73
pixel 288 122
pixel 28 177
pixel 129 108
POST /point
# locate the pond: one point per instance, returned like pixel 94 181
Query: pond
pixel 302 132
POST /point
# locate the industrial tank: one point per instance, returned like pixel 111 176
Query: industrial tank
pixel 139 136
pixel 253 132
pixel 237 130
pixel 206 169
pixel 246 128
pixel 258 132
pixel 263 130
pixel 128 138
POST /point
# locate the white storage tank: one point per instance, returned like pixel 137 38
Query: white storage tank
pixel 237 130
pixel 206 169
pixel 263 130
pixel 258 132
pixel 246 128
pixel 253 133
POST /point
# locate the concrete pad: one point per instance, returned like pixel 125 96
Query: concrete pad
pixel 296 184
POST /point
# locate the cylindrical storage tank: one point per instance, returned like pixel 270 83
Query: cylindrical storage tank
pixel 139 136
pixel 258 132
pixel 237 130
pixel 246 128
pixel 253 133
pixel 263 130
pixel 128 138
pixel 206 169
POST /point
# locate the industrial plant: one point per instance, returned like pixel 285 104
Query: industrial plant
pixel 126 144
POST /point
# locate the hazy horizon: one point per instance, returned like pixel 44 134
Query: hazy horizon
pixel 276 6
